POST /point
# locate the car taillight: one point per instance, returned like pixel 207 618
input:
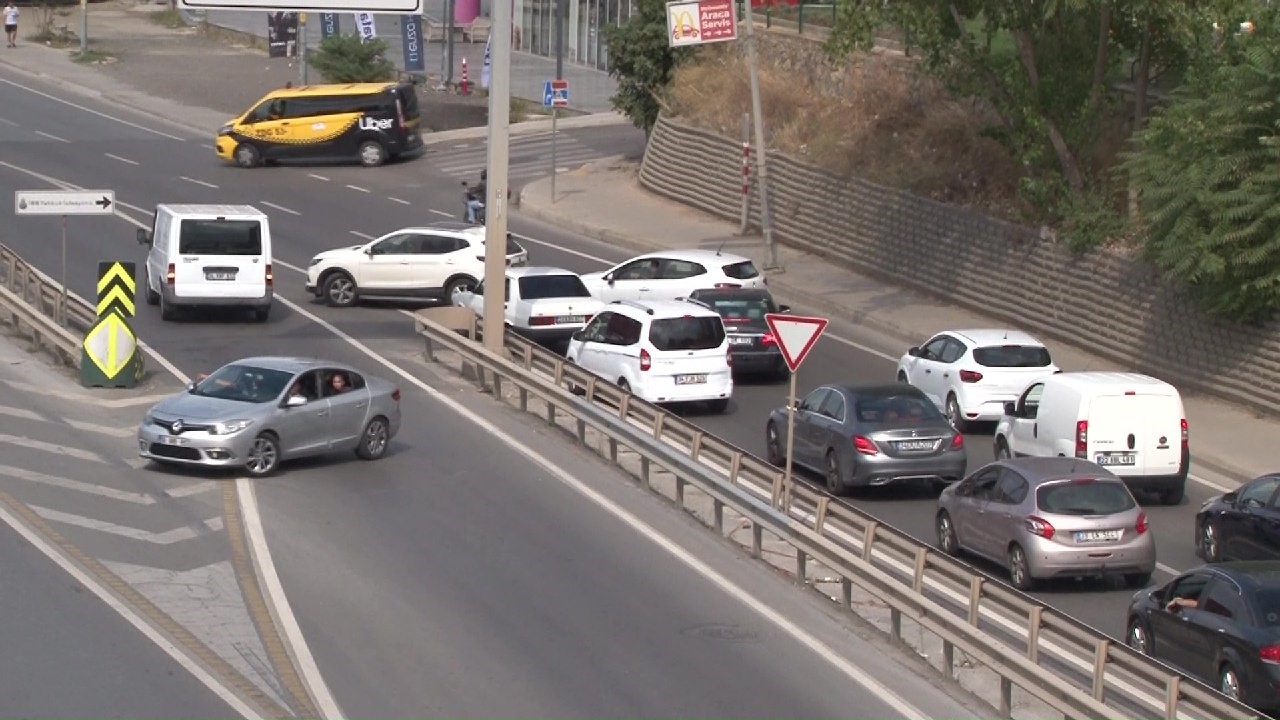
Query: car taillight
pixel 1270 654
pixel 395 394
pixel 727 285
pixel 957 442
pixel 646 360
pixel 171 274
pixel 270 277
pixel 970 376
pixel 728 356
pixel 1141 526
pixel 864 445
pixel 1186 434
pixel 400 112
pixel 542 320
pixel 768 339
pixel 1082 438
pixel 1039 526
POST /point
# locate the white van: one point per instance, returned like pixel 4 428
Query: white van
pixel 1133 425
pixel 208 255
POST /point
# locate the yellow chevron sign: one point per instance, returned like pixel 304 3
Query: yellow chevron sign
pixel 116 288
pixel 110 344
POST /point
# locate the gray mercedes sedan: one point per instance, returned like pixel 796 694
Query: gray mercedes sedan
pixel 869 436
pixel 256 412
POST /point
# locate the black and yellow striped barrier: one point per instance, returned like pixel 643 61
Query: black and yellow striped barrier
pixel 110 351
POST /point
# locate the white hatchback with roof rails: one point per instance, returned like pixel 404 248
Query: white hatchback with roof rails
pixel 971 374
pixel 664 351
pixel 673 274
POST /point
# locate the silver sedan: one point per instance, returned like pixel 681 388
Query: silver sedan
pixel 256 412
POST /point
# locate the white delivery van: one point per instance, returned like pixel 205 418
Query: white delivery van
pixel 208 256
pixel 1133 425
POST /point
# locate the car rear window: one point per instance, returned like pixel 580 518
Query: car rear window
pixel 1012 356
pixel 408 101
pixel 742 308
pixel 220 237
pixel 537 287
pixel 1089 497
pixel 744 270
pixel 894 409
pixel 687 333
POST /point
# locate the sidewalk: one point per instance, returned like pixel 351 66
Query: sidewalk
pixel 605 200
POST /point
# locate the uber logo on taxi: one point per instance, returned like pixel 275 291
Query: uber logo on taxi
pixel 368 123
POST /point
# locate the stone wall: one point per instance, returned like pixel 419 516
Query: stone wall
pixel 1115 307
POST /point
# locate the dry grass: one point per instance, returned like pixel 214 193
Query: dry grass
pixel 888 124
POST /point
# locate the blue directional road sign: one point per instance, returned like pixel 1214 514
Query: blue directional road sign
pixel 555 93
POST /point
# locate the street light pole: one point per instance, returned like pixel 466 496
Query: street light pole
pixel 560 8
pixel 495 236
pixel 762 171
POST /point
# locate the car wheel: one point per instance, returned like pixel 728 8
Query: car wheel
pixel 570 385
pixel 624 386
pixel 459 285
pixel 264 456
pixel 1019 570
pixel 1002 450
pixel 835 474
pixel 773 446
pixel 1137 637
pixel 947 541
pixel 153 297
pixel 167 310
pixel 718 406
pixel 1173 497
pixel 340 290
pixel 954 415
pixel 372 153
pixel 780 370
pixel 1209 543
pixel 902 378
pixel 1137 581
pixel 1229 682
pixel 261 314
pixel 248 155
pixel 374 439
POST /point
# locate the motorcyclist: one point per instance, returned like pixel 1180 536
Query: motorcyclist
pixel 476 196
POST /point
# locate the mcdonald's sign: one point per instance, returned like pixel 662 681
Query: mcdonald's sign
pixel 701 21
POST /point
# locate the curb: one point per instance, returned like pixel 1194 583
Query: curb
pixel 530 127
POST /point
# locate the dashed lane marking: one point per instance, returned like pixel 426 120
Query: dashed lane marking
pixel 440 212
pixel 91 111
pixel 281 208
pixel 42 133
pixel 122 159
pixel 398 200
pixel 198 182
pixel 357 188
pixel 359 234
pixel 321 178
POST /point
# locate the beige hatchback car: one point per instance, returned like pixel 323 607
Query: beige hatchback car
pixel 1047 518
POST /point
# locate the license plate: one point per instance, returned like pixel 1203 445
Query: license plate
pixel 916 444
pixel 690 379
pixel 1088 536
pixel 219 276
pixel 566 319
pixel 1116 458
pixel 740 340
pixel 172 440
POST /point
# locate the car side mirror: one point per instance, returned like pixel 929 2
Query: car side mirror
pixel 1011 409
pixel 914 352
pixel 577 336
pixel 369 251
pixel 608 278
pixel 784 308
pixel 191 387
pixel 1158 595
pixel 1231 498
pixel 144 236
pixel 295 401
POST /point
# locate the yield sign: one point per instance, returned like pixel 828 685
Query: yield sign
pixel 795 335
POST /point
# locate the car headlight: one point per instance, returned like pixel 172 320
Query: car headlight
pixel 227 427
pixel 225 129
pixel 314 261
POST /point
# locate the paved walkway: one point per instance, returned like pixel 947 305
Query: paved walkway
pixel 605 200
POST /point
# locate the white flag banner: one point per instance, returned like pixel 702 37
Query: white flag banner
pixel 486 68
pixel 364 25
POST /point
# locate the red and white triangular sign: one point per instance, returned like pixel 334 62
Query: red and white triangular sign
pixel 795 334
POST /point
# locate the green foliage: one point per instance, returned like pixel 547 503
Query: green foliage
pixel 1208 168
pixel 642 62
pixel 345 59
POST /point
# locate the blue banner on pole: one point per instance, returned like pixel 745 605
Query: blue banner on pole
pixel 411 34
pixel 329 25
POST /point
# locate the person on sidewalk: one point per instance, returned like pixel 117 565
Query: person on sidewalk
pixel 11 24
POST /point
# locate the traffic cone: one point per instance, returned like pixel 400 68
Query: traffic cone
pixel 466 85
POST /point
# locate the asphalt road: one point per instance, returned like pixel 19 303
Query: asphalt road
pixel 454 577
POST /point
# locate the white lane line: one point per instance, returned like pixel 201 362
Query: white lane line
pixel 109 598
pixel 84 397
pixel 440 212
pixel 52 448
pixel 252 519
pixel 357 188
pixel 194 488
pixel 23 413
pixel 111 431
pixel 567 251
pixel 52 137
pixel 91 111
pixel 76 485
pixel 197 182
pixel 398 200
pixel 122 159
pixel 726 585
pixel 321 178
pixel 8 122
pixel 168 537
pixel 281 208
pixel 359 234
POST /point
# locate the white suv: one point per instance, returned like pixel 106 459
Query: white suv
pixel 433 261
pixel 672 274
pixel 666 351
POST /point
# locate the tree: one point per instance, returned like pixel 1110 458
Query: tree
pixel 347 59
pixel 643 63
pixel 1208 170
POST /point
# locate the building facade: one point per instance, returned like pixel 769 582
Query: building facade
pixel 585 21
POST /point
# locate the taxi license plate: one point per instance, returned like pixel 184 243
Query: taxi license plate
pixel 739 340
pixel 1106 459
pixel 691 379
pixel 1087 536
pixel 566 319
pixel 219 276
pixel 172 440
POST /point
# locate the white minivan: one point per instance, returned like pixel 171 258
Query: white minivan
pixel 1133 425
pixel 208 256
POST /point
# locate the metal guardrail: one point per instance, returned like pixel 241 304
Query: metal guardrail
pixel 1055 658
pixel 34 302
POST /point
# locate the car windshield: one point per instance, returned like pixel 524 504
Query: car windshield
pixel 1084 497
pixel 895 409
pixel 687 333
pixel 1012 356
pixel 244 383
pixel 537 287
pixel 1268 602
pixel 742 308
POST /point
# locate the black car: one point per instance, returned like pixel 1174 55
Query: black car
pixel 754 349
pixel 1241 525
pixel 1218 623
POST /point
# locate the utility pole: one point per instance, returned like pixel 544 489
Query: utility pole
pixel 560 8
pixel 762 173
pixel 302 47
pixel 84 26
pixel 448 43
pixel 495 204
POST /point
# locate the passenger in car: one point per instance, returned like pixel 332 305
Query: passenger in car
pixel 338 384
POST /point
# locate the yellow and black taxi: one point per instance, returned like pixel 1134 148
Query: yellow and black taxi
pixel 370 121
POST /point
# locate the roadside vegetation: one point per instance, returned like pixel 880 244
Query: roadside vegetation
pixel 1145 128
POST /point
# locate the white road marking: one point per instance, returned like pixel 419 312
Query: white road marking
pixel 76 485
pixel 197 182
pixel 122 159
pixel 281 208
pixel 567 251
pixel 120 432
pixel 22 413
pixel 168 537
pixel 440 212
pixel 91 111
pixel 109 598
pixel 52 448
pixel 398 200
pixel 359 234
pixel 52 137
pixel 321 178
pixel 357 188
pixel 194 488
pixel 84 396
pixel 9 122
